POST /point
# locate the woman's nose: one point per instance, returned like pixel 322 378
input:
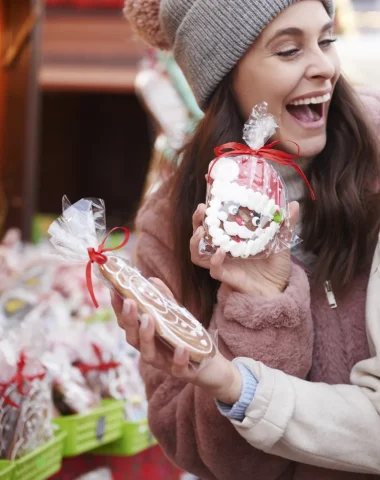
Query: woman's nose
pixel 322 66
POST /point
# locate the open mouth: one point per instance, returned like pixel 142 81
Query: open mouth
pixel 309 110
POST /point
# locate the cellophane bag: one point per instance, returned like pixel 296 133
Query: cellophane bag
pixel 247 208
pixel 71 393
pixel 79 236
pixel 109 369
pixel 25 393
pixel 100 361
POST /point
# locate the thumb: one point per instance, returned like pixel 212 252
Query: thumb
pixel 294 212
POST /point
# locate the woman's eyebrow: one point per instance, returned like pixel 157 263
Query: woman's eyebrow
pixel 297 32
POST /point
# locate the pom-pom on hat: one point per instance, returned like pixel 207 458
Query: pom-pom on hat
pixel 143 16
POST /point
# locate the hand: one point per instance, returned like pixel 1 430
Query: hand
pixel 266 276
pixel 218 376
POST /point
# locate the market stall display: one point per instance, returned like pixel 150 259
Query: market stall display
pixel 69 382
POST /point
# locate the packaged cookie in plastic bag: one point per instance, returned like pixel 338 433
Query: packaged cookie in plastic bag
pixel 247 207
pixel 25 395
pixel 99 361
pixel 71 393
pixel 79 236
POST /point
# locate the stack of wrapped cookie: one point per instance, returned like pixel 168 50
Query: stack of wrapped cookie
pixel 58 355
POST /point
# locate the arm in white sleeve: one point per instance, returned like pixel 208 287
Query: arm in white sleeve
pixel 331 426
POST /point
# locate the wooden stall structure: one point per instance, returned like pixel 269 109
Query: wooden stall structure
pixel 95 136
pixel 20 27
pixel 70 122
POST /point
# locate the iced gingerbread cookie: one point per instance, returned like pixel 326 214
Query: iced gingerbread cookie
pixel 174 324
pixel 245 207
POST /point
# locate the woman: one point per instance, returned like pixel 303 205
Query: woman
pixel 288 319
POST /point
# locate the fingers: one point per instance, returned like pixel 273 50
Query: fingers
pixel 128 321
pixel 181 358
pixel 198 216
pixel 194 243
pixel 147 340
pixel 159 284
pixel 294 210
pixel 116 302
pixel 216 264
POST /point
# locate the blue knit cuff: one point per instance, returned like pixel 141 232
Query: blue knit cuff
pixel 237 411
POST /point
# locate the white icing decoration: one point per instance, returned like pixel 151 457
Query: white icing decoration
pixel 234 229
pixel 225 169
pixel 212 222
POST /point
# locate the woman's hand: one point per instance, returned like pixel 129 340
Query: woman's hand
pixel 266 276
pixel 218 376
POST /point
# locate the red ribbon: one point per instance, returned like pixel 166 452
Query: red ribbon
pixel 267 152
pixel 97 256
pixel 101 367
pixel 18 379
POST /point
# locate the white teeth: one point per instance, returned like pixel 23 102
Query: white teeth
pixel 312 100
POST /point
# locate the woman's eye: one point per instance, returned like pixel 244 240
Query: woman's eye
pixel 326 43
pixel 288 53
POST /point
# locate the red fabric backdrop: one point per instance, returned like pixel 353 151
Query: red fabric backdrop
pixel 86 3
pixel 148 465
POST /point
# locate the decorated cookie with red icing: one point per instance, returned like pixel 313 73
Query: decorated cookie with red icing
pixel 246 205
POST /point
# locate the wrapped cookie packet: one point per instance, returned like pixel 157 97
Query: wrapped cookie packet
pixel 247 211
pixel 25 396
pixel 79 235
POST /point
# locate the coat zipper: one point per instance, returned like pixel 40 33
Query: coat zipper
pixel 328 287
pixel 330 295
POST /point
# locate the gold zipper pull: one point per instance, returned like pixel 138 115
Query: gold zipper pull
pixel 330 295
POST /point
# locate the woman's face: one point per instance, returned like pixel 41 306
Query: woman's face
pixel 294 67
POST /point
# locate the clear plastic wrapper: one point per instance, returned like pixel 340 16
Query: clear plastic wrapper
pixel 71 393
pixel 25 395
pixel 16 304
pixel 247 211
pixel 10 256
pixel 79 236
pixel 100 367
pixel 158 94
pixel 109 370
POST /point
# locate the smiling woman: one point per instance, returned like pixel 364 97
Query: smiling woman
pixel 290 317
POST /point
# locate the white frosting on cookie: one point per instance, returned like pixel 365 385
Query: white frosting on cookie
pixel 233 229
pixel 225 169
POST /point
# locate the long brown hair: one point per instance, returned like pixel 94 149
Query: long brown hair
pixel 341 227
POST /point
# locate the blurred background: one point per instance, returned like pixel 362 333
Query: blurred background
pixel 86 109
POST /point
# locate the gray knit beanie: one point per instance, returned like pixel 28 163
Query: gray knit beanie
pixel 209 37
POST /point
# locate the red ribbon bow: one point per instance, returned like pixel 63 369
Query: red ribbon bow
pixel 267 152
pixel 97 256
pixel 18 379
pixel 101 367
